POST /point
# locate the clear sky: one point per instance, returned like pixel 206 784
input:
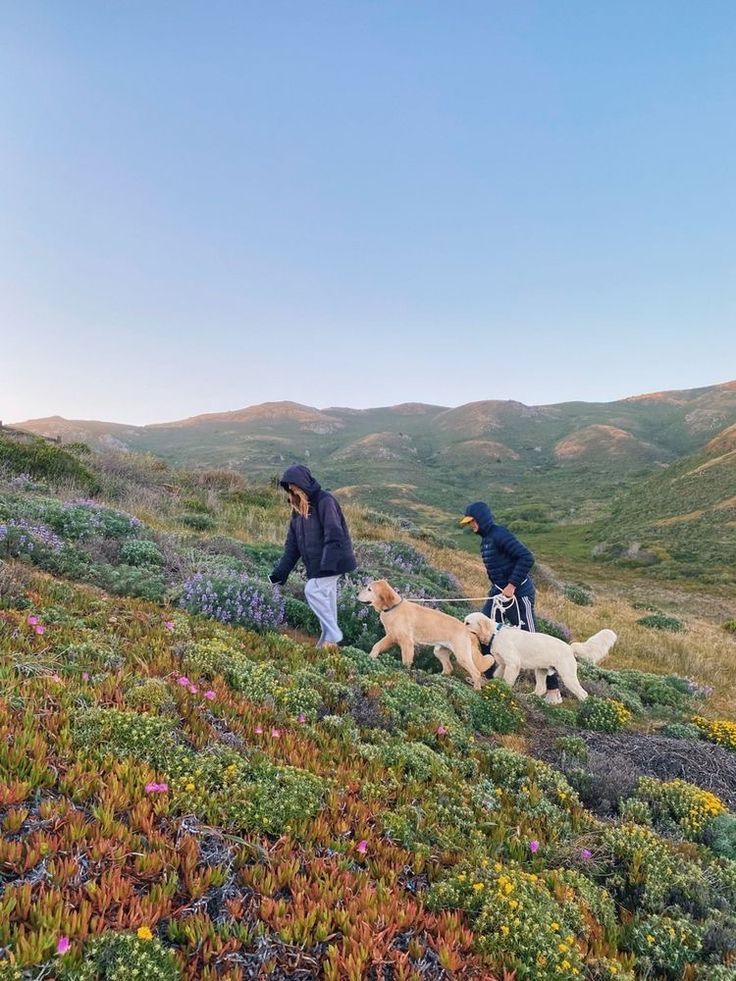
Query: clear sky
pixel 359 202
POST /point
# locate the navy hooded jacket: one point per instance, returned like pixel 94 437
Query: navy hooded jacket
pixel 322 540
pixel 505 558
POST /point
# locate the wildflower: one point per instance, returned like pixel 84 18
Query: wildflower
pixel 55 677
pixel 258 730
pixel 478 886
pixel 144 933
pixel 156 788
pixel 302 717
pixel 210 695
pixel 189 786
pixel 193 689
pixel 441 731
pixel 63 945
pixel 168 625
pixel 183 681
pixel 85 676
pixel 586 854
pixel 40 629
pixel 362 846
pixel 275 733
pixel 32 620
pixel 534 846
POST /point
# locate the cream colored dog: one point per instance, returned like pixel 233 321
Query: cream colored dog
pixel 407 624
pixel 516 650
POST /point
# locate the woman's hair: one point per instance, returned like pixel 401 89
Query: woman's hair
pixel 299 500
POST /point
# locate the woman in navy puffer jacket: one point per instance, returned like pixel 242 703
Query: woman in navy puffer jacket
pixel 318 535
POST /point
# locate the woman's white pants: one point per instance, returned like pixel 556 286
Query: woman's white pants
pixel 321 595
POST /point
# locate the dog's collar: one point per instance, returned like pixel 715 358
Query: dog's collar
pixel 389 608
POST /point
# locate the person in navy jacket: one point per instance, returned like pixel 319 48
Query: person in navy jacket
pixel 508 563
pixel 318 535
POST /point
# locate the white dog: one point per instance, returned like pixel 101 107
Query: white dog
pixel 516 650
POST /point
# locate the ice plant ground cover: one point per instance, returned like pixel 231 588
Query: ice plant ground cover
pixel 188 799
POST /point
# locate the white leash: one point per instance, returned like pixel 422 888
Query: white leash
pixel 500 604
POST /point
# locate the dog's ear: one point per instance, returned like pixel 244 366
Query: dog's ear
pixel 385 594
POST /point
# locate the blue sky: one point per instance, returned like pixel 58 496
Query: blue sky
pixel 205 206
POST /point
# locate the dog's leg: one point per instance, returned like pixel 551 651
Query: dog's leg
pixel 443 656
pixel 464 654
pixel 540 688
pixel 569 675
pixel 511 672
pixel 382 645
pixel 407 651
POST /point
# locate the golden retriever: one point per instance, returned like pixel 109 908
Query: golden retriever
pixel 516 650
pixel 407 624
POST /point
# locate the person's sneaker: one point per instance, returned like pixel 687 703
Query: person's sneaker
pixel 553 697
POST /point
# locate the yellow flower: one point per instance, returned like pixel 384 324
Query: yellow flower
pixel 189 786
pixel 504 929
pixel 650 938
pixel 554 926
pixel 144 933
pixel 477 886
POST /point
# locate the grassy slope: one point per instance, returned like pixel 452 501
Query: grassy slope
pixel 208 884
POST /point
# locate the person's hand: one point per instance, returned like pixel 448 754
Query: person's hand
pixel 508 590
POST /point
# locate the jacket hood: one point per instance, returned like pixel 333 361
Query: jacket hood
pixel 482 514
pixel 302 477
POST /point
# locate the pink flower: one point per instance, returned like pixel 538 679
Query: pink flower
pixel 210 695
pixel 259 730
pixel 534 846
pixel 63 945
pixel 441 731
pixel 362 847
pixel 55 677
pixel 302 717
pixel 40 629
pixel 32 620
pixel 193 689
pixel 275 733
pixel 168 624
pixel 183 681
pixel 585 854
pixel 85 676
pixel 156 788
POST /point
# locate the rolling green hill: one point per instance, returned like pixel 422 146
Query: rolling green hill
pixel 566 465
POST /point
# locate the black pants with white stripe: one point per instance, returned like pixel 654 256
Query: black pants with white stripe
pixel 520 615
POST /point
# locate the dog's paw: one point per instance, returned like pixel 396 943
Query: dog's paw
pixel 553 697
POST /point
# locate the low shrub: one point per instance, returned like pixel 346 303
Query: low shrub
pixel 578 595
pixel 198 522
pixel 141 552
pixel 719 731
pixel 236 599
pixel 659 621
pixel 122 956
pixel 663 944
pixel 603 714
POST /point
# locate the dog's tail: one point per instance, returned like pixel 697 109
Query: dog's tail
pixel 596 647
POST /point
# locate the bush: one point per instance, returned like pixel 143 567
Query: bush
pixel 300 616
pixel 234 599
pixel 602 714
pixel 681 730
pixel 658 621
pixel 128 580
pixel 198 522
pixel 677 805
pixel 730 626
pixel 45 461
pixel 122 956
pixel 141 552
pixel 719 731
pixel 664 944
pixel 720 836
pixel 554 629
pixel 578 595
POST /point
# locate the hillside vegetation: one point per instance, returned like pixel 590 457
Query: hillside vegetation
pixel 189 789
pixel 569 462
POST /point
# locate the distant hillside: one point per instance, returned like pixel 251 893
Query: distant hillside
pixel 568 461
pixel 685 516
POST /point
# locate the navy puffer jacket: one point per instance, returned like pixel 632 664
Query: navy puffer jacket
pixel 322 540
pixel 505 558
